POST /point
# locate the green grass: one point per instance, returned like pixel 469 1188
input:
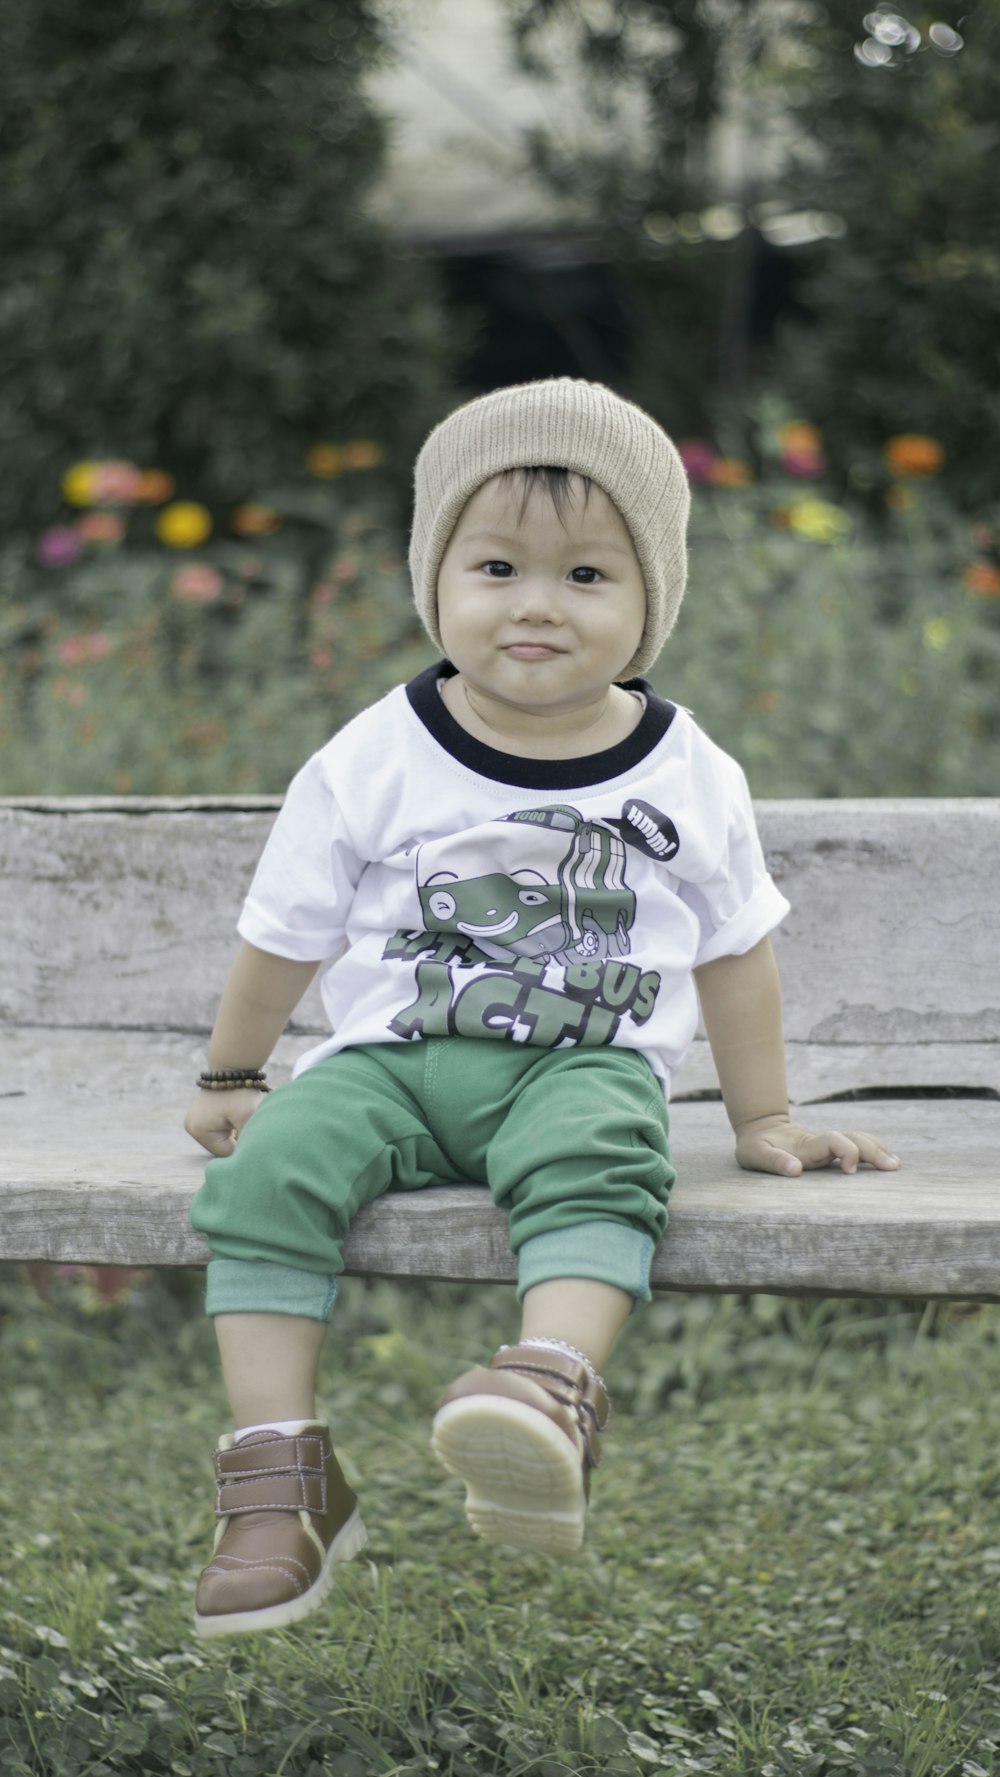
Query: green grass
pixel 791 1564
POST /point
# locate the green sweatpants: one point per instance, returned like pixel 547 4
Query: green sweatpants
pixel 571 1142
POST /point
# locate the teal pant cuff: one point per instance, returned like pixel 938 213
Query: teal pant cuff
pixel 609 1252
pixel 255 1286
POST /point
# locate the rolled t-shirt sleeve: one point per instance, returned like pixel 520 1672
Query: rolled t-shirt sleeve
pixel 301 893
pixel 738 903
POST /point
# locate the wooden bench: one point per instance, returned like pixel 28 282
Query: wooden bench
pixel 117 920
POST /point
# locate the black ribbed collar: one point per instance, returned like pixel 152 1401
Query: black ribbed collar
pixel 536 774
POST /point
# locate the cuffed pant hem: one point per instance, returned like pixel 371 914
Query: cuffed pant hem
pixel 256 1286
pixel 608 1252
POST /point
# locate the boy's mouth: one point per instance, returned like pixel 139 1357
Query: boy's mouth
pixel 531 650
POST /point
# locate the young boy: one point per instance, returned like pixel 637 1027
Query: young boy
pixel 529 867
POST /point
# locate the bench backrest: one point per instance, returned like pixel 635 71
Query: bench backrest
pixel 121 913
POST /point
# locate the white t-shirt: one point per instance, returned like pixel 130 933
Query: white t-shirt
pixel 463 891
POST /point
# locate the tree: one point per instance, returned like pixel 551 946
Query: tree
pixel 190 277
pixel 905 337
pixel 888 131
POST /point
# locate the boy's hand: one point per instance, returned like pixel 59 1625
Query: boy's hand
pixel 216 1118
pixel 773 1144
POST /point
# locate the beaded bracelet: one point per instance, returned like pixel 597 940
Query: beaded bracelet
pixel 231 1079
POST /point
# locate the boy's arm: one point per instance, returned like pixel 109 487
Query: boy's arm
pixel 260 995
pixel 741 1009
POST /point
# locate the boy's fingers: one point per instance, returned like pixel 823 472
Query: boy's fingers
pixel 757 1154
pixel 850 1148
pixel 833 1145
pixel 874 1151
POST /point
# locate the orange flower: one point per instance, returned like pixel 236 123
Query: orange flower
pixel 797 436
pixel 325 460
pixel 101 527
pixel 154 486
pixel 981 580
pixel 730 472
pixel 911 453
pixel 255 521
pixel 362 453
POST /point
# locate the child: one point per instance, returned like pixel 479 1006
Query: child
pixel 523 862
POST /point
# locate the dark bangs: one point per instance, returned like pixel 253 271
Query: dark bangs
pixel 555 482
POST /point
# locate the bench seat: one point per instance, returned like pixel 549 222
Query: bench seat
pixel 98 1169
pixel 117 921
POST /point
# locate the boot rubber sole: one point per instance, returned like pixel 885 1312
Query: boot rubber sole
pixel 523 1475
pixel 349 1541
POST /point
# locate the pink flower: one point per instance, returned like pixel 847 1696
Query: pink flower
pixel 58 546
pixel 197 583
pixel 344 569
pixel 698 457
pixel 73 650
pixel 116 483
pixel 808 465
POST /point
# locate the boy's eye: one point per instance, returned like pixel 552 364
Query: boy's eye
pixel 497 570
pixel 593 575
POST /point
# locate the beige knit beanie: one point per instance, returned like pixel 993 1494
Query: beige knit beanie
pixel 568 424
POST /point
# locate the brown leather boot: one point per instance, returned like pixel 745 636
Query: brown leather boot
pixel 524 1436
pixel 286 1521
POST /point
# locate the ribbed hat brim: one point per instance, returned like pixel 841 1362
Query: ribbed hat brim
pixel 563 423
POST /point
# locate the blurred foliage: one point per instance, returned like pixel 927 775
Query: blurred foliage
pixel 142 666
pixel 833 653
pixel 903 130
pixel 143 653
pixel 886 130
pixel 190 274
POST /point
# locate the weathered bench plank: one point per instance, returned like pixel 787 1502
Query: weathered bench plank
pixel 117 929
pixel 122 915
pixel 113 1187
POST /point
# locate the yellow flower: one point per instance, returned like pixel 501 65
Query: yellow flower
pixel 325 460
pixel 818 521
pixel 183 525
pixel 937 634
pixel 78 484
pixel 911 453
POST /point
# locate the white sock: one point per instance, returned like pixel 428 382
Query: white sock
pixel 289 1428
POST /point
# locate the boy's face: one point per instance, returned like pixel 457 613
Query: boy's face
pixel 540 612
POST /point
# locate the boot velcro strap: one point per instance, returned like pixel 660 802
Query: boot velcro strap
pixel 567 1381
pixel 283 1474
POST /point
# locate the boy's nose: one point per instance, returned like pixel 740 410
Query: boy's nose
pixel 534 602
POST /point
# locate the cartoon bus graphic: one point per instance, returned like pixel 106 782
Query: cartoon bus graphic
pixel 565 899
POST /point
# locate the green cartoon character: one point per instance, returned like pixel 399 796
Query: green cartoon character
pixel 556 891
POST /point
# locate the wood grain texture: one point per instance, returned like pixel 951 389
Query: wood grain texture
pixel 123 916
pixel 102 1184
pixel 117 927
